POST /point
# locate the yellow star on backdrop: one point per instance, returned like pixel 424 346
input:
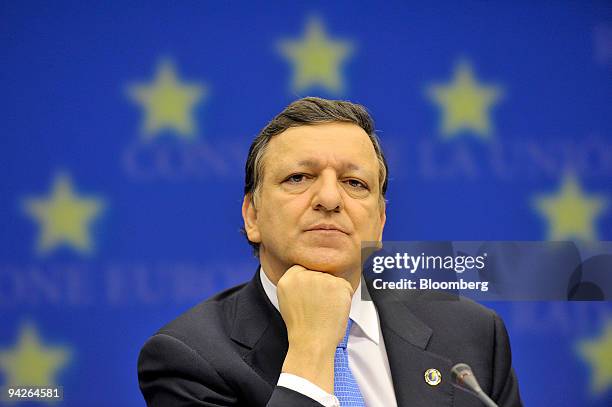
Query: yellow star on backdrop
pixel 316 59
pixel 598 354
pixel 465 103
pixel 64 217
pixel 30 363
pixel 570 212
pixel 168 103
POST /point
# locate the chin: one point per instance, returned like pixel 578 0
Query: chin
pixel 325 259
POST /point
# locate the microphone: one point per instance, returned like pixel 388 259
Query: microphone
pixel 465 380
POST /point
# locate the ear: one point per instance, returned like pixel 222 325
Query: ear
pixel 249 216
pixel 383 219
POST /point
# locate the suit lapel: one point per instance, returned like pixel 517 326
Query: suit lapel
pixel 406 339
pixel 260 329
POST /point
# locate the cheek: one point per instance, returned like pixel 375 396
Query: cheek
pixel 369 230
pixel 369 223
pixel 281 214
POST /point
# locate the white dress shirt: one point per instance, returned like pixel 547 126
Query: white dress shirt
pixel 366 352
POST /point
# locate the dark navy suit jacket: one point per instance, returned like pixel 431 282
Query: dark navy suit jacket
pixel 229 350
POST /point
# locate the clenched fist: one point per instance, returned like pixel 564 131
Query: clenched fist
pixel 315 307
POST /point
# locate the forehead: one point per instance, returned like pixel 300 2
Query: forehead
pixel 343 144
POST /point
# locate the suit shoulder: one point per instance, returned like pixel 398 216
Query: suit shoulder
pixel 450 313
pixel 450 303
pixel 206 322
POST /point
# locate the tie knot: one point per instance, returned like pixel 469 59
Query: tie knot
pixel 344 340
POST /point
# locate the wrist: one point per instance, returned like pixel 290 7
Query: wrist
pixel 313 363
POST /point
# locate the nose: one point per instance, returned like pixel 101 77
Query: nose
pixel 327 194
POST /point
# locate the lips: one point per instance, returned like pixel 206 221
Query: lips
pixel 323 227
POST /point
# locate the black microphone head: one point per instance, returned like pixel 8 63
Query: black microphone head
pixel 464 379
pixel 459 370
pixel 463 376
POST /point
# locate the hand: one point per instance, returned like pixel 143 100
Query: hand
pixel 315 307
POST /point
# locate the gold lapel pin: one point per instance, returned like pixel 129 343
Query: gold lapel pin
pixel 433 377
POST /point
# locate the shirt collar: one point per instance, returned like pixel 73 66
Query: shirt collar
pixel 363 312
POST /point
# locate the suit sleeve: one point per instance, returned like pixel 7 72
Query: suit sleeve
pixel 505 390
pixel 170 373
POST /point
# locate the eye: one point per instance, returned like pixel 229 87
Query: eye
pixel 355 183
pixel 296 178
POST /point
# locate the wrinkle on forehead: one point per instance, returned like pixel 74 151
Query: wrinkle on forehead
pixel 346 146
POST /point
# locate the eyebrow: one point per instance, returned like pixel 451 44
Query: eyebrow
pixel 315 164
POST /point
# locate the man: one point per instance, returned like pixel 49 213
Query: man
pixel 299 333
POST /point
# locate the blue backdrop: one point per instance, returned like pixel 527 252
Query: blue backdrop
pixel 125 128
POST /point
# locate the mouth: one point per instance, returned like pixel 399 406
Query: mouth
pixel 326 229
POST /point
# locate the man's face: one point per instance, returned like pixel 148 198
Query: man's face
pixel 319 199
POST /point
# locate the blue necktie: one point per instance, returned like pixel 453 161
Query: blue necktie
pixel 345 385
